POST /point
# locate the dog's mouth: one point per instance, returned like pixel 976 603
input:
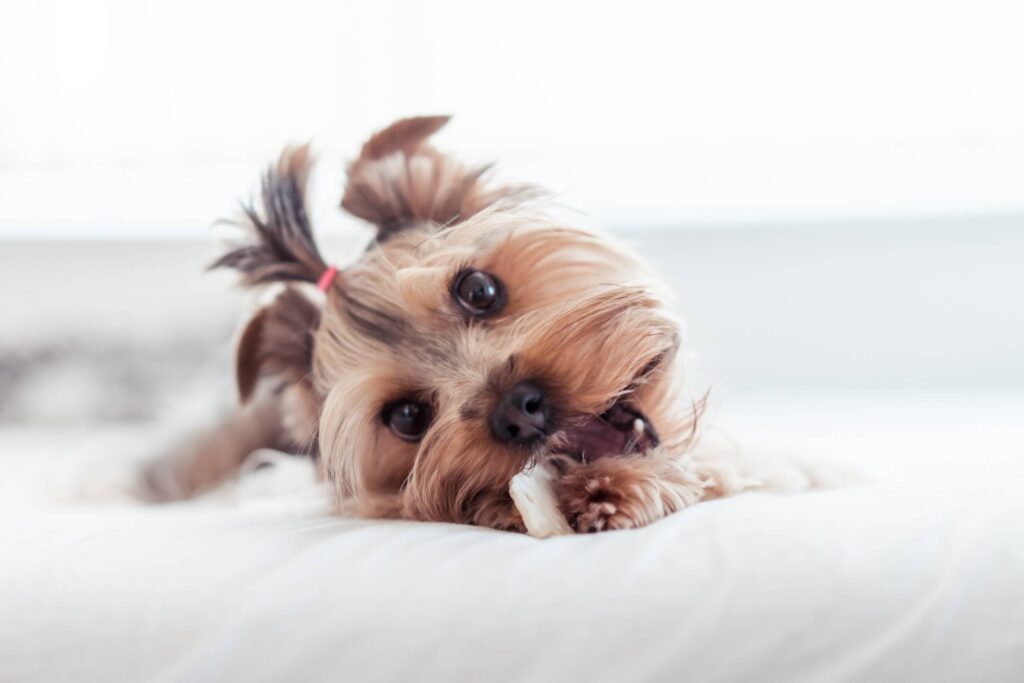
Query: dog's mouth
pixel 621 430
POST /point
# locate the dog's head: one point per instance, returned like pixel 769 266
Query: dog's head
pixel 472 337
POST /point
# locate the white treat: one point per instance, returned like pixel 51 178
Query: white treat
pixel 531 491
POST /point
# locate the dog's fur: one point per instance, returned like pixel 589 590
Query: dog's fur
pixel 583 319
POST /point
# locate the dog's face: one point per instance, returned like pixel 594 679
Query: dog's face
pixel 470 339
pixel 453 356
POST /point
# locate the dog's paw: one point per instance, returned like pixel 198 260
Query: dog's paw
pixel 594 499
pixel 625 493
pixel 602 516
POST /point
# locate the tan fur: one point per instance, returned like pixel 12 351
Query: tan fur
pixel 583 318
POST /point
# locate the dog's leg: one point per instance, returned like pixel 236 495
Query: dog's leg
pixel 492 509
pixel 499 512
pixel 622 493
pixel 208 456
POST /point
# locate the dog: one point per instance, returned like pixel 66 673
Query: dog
pixel 475 338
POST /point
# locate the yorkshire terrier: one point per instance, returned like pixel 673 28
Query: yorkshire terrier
pixel 473 339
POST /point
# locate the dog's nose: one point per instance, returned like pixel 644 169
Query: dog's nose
pixel 521 417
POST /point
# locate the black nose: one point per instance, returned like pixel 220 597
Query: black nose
pixel 521 417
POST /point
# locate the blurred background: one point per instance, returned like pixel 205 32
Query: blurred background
pixel 834 190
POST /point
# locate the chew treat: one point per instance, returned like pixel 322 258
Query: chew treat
pixel 534 498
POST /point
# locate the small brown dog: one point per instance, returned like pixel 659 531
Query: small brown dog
pixel 473 339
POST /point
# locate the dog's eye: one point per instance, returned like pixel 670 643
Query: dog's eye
pixel 479 293
pixel 408 419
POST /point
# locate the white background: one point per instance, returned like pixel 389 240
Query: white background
pixel 835 190
pixel 148 117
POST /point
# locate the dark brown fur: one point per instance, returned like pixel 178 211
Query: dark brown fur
pixel 282 248
pixel 277 343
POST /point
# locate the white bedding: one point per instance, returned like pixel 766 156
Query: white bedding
pixel 917 575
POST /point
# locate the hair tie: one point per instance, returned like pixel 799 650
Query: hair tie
pixel 327 279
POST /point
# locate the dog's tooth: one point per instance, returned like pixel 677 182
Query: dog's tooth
pixel 638 426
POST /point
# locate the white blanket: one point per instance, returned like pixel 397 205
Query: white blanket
pixel 918 575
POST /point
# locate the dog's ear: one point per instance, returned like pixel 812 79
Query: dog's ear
pixel 281 247
pixel 400 180
pixel 276 347
pixel 277 343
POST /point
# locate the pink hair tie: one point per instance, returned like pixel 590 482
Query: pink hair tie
pixel 327 279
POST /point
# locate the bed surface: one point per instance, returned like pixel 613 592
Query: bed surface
pixel 917 574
